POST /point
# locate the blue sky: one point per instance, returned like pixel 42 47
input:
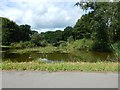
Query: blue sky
pixel 42 15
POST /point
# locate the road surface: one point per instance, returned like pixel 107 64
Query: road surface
pixel 38 79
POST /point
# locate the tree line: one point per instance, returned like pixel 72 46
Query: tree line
pixel 101 24
pixel 12 33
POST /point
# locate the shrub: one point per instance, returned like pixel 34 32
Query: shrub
pixel 60 43
pixel 56 44
pixel 87 35
pixel 63 43
pixel 85 44
pixel 70 39
pixel 43 43
pixel 29 44
pixel 101 47
pixel 116 47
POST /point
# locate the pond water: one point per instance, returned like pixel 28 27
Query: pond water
pixel 59 57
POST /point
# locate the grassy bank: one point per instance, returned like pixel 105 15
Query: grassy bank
pixel 66 66
pixel 68 48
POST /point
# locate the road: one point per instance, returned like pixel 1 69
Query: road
pixel 38 79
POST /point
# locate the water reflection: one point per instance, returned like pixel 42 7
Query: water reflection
pixel 59 57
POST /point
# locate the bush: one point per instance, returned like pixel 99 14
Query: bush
pixel 85 44
pixel 56 44
pixel 70 39
pixel 60 43
pixel 63 43
pixel 87 35
pixel 43 43
pixel 29 44
pixel 116 47
pixel 101 47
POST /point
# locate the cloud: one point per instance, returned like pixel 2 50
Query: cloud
pixel 41 15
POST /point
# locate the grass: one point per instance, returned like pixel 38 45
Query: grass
pixel 48 49
pixel 66 66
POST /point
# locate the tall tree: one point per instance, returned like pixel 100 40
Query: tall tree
pixel 83 26
pixel 105 26
pixel 68 31
pixel 36 38
pixel 9 31
pixel 25 32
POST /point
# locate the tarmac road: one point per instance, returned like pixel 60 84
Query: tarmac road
pixel 38 79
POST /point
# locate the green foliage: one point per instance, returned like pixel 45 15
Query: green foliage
pixel 52 36
pixel 101 42
pixel 116 47
pixel 68 31
pixel 101 26
pixel 21 45
pixel 101 47
pixel 116 23
pixel 70 39
pixel 43 43
pixel 63 47
pixel 47 49
pixel 11 32
pixel 66 66
pixel 102 23
pixel 36 38
pixel 62 43
pixel 59 43
pixel 83 26
pixel 82 44
pixel 25 32
pixel 85 44
pixel 87 35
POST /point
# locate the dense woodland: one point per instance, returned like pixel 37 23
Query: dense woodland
pixel 101 25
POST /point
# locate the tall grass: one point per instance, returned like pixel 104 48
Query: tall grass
pixel 66 66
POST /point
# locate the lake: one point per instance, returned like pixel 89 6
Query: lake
pixel 75 56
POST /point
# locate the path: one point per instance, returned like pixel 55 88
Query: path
pixel 38 79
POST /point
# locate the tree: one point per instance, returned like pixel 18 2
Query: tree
pixel 25 32
pixel 116 23
pixel 52 36
pixel 83 26
pixel 10 31
pixel 104 23
pixel 36 38
pixel 101 42
pixel 68 31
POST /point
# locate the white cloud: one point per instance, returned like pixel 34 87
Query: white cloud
pixel 41 15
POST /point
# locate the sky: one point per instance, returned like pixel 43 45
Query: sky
pixel 42 15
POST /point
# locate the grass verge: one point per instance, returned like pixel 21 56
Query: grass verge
pixel 66 66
